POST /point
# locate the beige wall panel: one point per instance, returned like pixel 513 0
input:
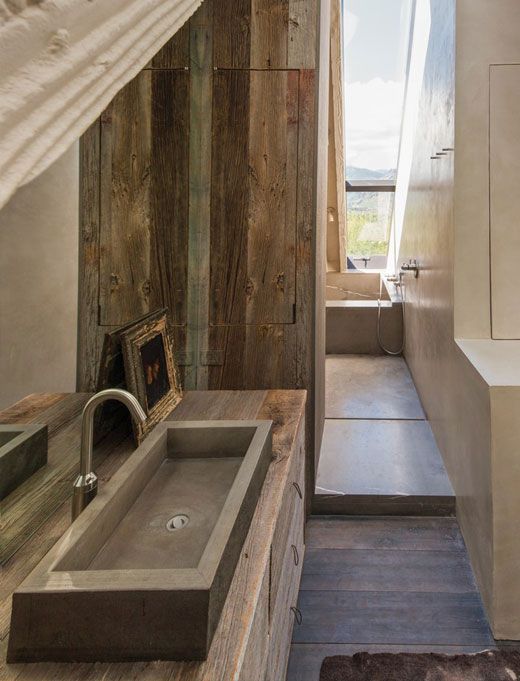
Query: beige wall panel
pixel 504 168
pixel 39 283
pixel 477 48
pixel 505 407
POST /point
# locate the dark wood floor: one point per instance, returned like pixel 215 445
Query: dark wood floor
pixel 385 584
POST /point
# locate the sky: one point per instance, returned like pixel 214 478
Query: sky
pixel 376 45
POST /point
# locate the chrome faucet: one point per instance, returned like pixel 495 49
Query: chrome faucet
pixel 86 484
pixel 411 266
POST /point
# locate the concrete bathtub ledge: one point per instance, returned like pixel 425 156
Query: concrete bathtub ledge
pixel 351 323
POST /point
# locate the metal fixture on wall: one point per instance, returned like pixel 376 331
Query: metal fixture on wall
pixel 411 266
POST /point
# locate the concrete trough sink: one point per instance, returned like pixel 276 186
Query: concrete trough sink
pixel 144 572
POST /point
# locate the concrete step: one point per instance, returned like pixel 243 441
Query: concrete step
pixel 378 467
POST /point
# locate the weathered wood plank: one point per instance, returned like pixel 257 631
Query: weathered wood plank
pixel 417 534
pixel 229 197
pixel 305 347
pixel 222 404
pixel 256 652
pixel 269 34
pixel 336 133
pixel 201 87
pixel 271 231
pixel 30 407
pixel 253 220
pixel 256 356
pixel 282 615
pixel 393 617
pixel 89 337
pixel 176 53
pixel 167 192
pixel 125 203
pixel 388 570
pixel 319 194
pixel 231 34
pixel 27 557
pixel 303 24
pixel 265 34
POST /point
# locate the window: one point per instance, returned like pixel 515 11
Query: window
pixel 376 45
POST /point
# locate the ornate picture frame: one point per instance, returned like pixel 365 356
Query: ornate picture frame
pixel 150 370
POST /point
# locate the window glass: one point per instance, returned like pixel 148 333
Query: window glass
pixel 376 42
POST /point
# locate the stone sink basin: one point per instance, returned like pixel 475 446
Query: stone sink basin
pixel 23 451
pixel 144 571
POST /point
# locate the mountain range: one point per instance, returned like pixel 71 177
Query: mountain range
pixel 355 173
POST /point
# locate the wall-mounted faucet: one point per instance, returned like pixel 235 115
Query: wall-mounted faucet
pixel 86 484
pixel 411 266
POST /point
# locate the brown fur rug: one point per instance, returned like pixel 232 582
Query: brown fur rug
pixel 487 666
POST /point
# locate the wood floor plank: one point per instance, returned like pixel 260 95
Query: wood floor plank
pixel 417 534
pixel 387 570
pixel 380 504
pixel 305 661
pixel 392 617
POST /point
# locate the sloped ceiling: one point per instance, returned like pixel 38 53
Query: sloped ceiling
pixel 61 62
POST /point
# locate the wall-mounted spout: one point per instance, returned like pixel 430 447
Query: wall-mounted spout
pixel 85 486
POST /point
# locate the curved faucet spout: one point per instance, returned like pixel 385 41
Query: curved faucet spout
pixel 85 486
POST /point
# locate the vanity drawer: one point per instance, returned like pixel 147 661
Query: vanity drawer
pixel 292 515
pixel 284 613
pixel 256 654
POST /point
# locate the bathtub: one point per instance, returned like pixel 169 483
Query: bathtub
pixel 352 308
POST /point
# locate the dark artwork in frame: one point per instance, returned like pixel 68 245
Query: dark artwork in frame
pixel 111 374
pixel 150 371
pixel 153 358
pixel 138 357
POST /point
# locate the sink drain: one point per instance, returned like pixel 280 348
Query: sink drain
pixel 177 522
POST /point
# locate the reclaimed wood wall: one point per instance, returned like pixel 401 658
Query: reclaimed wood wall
pixel 198 185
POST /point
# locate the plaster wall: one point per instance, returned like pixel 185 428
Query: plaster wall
pixel 468 383
pixel 454 396
pixel 39 283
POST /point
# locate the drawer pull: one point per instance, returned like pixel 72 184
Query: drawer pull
pixel 296 555
pixel 298 617
pixel 298 489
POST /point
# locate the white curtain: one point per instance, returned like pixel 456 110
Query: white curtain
pixel 61 62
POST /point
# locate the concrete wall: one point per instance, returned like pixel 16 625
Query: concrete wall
pixel 38 283
pixel 453 394
pixel 470 388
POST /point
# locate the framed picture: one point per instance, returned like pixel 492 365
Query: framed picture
pixel 150 370
pixel 111 374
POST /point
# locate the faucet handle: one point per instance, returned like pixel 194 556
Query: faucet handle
pixel 411 266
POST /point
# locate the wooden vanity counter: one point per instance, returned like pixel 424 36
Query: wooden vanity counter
pixel 253 636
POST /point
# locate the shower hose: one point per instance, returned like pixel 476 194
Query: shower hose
pixel 380 342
